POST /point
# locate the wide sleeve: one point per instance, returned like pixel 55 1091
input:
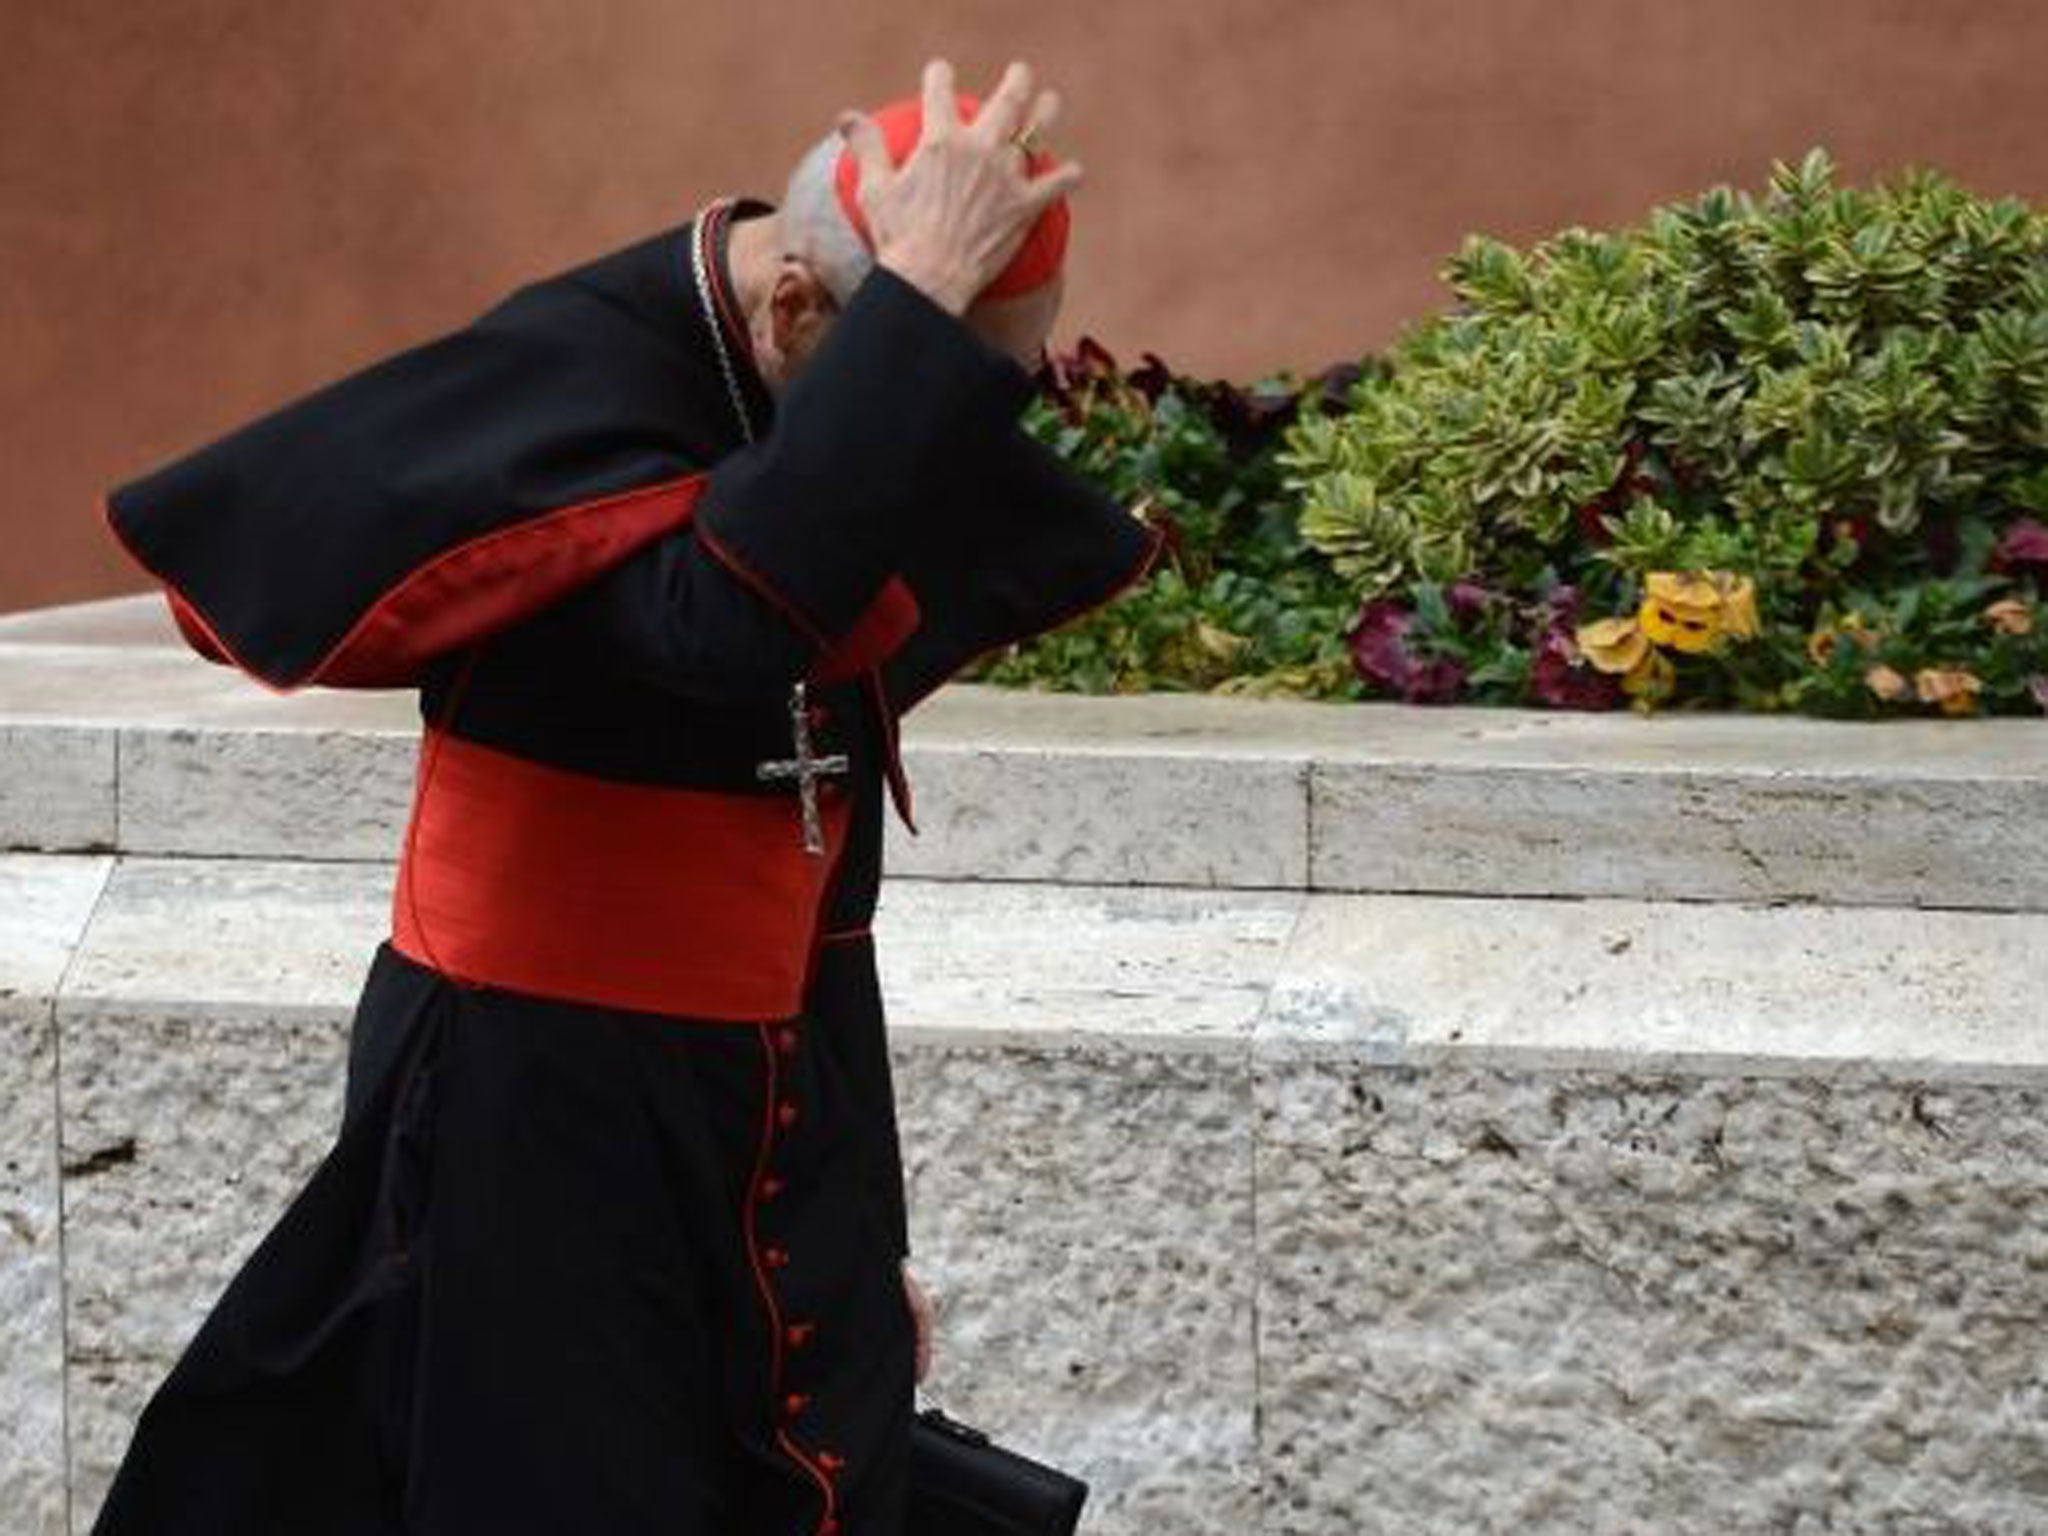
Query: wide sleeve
pixel 354 534
pixel 577 438
pixel 823 513
pixel 897 517
pixel 818 519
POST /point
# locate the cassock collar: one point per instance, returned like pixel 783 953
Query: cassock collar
pixel 731 318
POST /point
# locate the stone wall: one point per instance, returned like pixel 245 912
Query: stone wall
pixel 1318 1119
pixel 1266 1211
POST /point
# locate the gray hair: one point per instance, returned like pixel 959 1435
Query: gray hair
pixel 815 227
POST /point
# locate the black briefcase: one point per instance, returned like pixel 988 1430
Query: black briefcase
pixel 963 1484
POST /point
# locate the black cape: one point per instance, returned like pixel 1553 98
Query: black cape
pixel 571 1267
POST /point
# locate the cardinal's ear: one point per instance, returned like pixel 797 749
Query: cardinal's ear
pixel 800 308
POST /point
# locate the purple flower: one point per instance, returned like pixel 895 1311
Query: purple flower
pixel 1561 677
pixel 1379 652
pixel 1376 649
pixel 1069 373
pixel 1151 378
pixel 1092 360
pixel 1248 418
pixel 1467 600
pixel 2024 548
pixel 1333 386
pixel 1434 682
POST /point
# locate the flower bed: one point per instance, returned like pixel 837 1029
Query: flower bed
pixel 1787 452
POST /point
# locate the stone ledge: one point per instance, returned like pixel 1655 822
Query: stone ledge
pixel 1833 994
pixel 1387 981
pixel 109 740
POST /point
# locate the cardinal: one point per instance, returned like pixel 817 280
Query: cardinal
pixel 612 1234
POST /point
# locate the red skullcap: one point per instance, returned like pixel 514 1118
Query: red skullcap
pixel 1038 260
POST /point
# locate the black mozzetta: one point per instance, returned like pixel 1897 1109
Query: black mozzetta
pixel 898 390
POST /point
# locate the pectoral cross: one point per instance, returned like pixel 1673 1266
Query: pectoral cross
pixel 805 769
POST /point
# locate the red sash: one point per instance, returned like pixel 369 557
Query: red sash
pixel 538 880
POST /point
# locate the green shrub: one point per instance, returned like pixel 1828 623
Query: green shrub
pixel 1835 399
pixel 1240 604
pixel 1782 452
pixel 1711 390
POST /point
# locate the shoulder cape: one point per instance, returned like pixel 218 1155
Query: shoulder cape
pixel 355 535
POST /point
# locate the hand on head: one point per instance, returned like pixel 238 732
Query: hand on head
pixel 969 211
pixel 954 214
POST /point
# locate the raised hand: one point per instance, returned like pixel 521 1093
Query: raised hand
pixel 951 217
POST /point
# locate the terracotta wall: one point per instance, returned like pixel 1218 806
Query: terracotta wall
pixel 207 206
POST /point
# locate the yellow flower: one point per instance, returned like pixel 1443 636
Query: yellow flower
pixel 1691 610
pixel 1650 679
pixel 1887 684
pixel 1613 645
pixel 1857 628
pixel 1955 689
pixel 1694 589
pixel 1821 645
pixel 2011 616
pixel 1738 606
pixel 1681 611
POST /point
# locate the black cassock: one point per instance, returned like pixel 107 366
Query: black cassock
pixel 610 1239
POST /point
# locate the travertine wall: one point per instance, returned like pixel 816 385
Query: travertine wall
pixel 1232 1203
pixel 1318 1119
pixel 209 207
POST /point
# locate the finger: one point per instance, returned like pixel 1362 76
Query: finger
pixel 1041 192
pixel 1044 112
pixel 921 1323
pixel 870 150
pixel 941 102
pixel 1004 110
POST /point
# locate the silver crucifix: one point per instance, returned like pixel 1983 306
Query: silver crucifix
pixel 805 769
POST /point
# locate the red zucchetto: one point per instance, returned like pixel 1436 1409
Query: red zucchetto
pixel 1038 260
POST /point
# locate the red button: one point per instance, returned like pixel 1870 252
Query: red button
pixel 785 1114
pixel 831 1463
pixel 829 1528
pixel 774 1258
pixel 771 1187
pixel 795 1404
pixel 799 1334
pixel 785 1041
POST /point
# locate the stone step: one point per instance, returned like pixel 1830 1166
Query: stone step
pixel 113 738
pixel 1401 981
pixel 1260 1208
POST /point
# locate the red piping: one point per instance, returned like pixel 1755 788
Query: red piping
pixel 182 608
pixel 769 1095
pixel 1137 574
pixel 469 551
pixel 735 333
pixel 892 751
pixel 429 756
pixel 759 585
pixel 525 530
pixel 749 1212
